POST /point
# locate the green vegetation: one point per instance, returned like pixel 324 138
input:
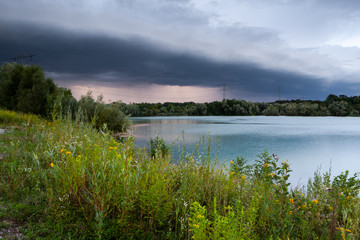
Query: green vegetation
pixel 65 179
pixel 332 106
pixel 63 174
pixel 25 89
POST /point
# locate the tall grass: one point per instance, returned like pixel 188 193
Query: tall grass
pixel 72 181
pixel 10 117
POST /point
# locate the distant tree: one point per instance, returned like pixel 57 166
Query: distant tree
pixel 191 110
pixel 354 113
pixel 333 105
pixel 332 98
pixel 291 109
pixel 338 108
pixel 239 110
pixel 271 110
pixel 226 107
pixel 201 109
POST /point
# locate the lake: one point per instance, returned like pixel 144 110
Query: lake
pixel 307 142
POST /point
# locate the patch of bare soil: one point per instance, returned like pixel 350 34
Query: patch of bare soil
pixel 10 230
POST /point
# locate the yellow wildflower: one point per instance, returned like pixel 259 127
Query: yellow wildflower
pixel 243 177
pixel 68 152
pixel 62 150
pixel 302 195
pixel 231 162
pixel 291 200
pixel 51 165
pixel 315 201
pixel 266 165
pixel 347 230
pixel 272 174
pixel 78 156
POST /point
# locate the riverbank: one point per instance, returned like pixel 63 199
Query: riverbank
pixel 65 179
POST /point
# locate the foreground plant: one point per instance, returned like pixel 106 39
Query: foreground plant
pixel 66 177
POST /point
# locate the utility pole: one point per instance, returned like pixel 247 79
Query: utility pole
pixel 224 89
pixel 22 56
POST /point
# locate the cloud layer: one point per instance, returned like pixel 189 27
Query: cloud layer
pixel 254 47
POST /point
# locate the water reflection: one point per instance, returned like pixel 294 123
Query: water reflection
pixel 182 120
pixel 308 142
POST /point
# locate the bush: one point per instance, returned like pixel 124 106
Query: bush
pixel 103 115
pixel 10 117
pixel 68 180
pixel 157 147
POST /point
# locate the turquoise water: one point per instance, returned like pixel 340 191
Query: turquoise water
pixel 308 143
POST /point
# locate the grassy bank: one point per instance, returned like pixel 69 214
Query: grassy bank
pixel 64 179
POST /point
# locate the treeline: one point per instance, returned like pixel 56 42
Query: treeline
pixel 25 89
pixel 332 106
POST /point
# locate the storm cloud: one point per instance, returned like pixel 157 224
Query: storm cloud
pixel 181 45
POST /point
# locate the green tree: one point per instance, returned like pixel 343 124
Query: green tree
pixel 101 114
pixel 271 110
pixel 201 109
pixel 24 88
pixel 338 108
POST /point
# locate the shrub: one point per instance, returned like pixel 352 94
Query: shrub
pixel 157 147
pixel 103 115
pixel 70 180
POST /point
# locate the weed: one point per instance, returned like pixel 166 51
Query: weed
pixel 65 179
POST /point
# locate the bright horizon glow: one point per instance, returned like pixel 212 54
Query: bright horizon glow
pixel 152 93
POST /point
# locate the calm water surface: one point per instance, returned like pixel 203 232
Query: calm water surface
pixel 307 142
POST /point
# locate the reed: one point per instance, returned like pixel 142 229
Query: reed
pixel 65 179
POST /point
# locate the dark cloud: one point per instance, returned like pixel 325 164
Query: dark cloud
pixel 353 5
pixel 134 61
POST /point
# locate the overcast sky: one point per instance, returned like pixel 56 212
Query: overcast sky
pixel 185 50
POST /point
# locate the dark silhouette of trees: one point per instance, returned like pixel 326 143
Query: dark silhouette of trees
pixel 25 88
pixel 333 106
